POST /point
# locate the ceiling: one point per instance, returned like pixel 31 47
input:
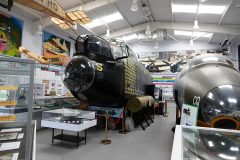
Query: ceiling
pixel 160 16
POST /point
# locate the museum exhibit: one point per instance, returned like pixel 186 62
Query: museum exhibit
pixel 119 79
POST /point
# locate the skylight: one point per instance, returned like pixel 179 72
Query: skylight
pixel 203 9
pixel 192 34
pixel 106 19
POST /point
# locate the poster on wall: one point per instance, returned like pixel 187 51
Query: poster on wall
pixel 10 35
pixel 55 48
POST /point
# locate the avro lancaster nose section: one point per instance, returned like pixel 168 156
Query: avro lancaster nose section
pixel 79 74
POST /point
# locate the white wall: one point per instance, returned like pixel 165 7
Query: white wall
pixel 165 46
pixel 33 42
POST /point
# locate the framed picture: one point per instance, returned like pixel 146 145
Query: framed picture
pixel 10 35
pixel 56 48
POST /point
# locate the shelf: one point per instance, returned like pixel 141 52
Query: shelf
pixel 9 88
pixel 69 138
pixel 8 103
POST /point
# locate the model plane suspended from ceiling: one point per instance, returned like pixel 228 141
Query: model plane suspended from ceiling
pixel 59 16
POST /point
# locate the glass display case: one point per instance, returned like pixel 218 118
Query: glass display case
pixel 199 143
pixel 16 101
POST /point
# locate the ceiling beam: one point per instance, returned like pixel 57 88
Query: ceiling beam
pixel 211 28
pixel 220 20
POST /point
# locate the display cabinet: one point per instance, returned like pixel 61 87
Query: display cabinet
pixel 69 120
pixel 16 101
pixel 45 103
pixel 192 143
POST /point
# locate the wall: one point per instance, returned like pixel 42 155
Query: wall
pixel 33 42
pixel 165 46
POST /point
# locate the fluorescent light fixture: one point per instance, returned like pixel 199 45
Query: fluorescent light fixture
pixel 202 1
pixel 210 144
pixel 224 156
pixel 108 33
pixel 203 9
pixel 232 100
pixel 134 7
pixel 178 8
pixel 196 26
pixel 192 34
pixel 210 59
pixel 107 19
pixel 221 103
pixel 94 23
pixel 206 9
pixel 236 149
pixel 210 95
pixel 130 37
pixel 111 18
pixel 225 86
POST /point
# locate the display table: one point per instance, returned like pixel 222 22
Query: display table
pixel 69 120
pixel 205 144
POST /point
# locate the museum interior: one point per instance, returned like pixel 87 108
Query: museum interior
pixel 119 79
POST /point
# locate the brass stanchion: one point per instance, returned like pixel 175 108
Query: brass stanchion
pixel 106 140
pixel 123 131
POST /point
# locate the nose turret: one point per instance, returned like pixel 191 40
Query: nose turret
pixel 79 74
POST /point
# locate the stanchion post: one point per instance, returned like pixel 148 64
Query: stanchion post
pixel 123 131
pixel 106 140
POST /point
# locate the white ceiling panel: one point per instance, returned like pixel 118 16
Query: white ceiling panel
pixel 162 13
pixel 209 18
pixel 100 30
pixel 183 17
pixel 117 25
pixel 69 4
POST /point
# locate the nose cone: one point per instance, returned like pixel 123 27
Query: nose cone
pixel 79 74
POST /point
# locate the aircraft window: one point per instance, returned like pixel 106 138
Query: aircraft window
pixel 99 47
pixel 116 51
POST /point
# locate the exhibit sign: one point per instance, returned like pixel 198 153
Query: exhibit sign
pixel 189 115
pixel 56 48
pixel 53 6
pixel 10 35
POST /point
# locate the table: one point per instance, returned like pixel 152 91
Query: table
pixel 53 121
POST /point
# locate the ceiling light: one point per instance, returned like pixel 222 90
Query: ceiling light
pixel 192 34
pixel 184 8
pixel 130 37
pixel 107 19
pixel 221 103
pixel 134 7
pixel 210 95
pixel 236 149
pixel 232 100
pixel 191 42
pixel 108 33
pixel 196 26
pixel 203 9
pixel 224 156
pixel 210 144
pixel 202 1
pixel 223 143
pixel 206 9
pixel 111 18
